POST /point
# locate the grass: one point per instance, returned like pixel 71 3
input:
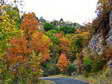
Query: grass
pixel 95 79
pixel 102 77
pixel 46 82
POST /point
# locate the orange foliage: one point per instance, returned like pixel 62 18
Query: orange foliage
pixel 18 51
pixel 59 35
pixel 30 23
pixel 45 55
pixel 63 62
pixel 32 46
pixel 65 44
pixel 41 43
pixel 21 48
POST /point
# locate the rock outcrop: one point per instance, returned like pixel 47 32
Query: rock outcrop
pixel 98 43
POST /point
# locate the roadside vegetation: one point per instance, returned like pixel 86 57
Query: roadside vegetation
pixel 31 47
pixel 45 82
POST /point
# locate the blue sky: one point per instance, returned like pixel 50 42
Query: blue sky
pixel 81 11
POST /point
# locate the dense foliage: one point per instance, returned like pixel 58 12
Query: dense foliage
pixel 27 51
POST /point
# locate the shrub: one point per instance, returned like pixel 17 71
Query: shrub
pixel 50 69
pixel 87 64
pixel 71 68
pixel 98 64
pixel 48 26
pixel 51 35
pixel 63 62
pixel 67 29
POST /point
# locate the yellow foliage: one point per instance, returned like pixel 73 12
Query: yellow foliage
pixel 103 1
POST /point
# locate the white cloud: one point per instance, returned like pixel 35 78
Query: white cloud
pixel 73 10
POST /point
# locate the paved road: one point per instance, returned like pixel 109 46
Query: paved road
pixel 64 80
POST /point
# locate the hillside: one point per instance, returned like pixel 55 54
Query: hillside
pixel 31 48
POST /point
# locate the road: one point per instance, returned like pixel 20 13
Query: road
pixel 64 80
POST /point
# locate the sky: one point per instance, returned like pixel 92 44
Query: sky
pixel 81 11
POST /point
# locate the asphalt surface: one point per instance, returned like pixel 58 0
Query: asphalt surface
pixel 64 80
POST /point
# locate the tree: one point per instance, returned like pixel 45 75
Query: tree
pixel 14 15
pixel 48 26
pixel 65 44
pixel 79 42
pixel 23 61
pixel 51 35
pixel 41 43
pixel 63 62
pixel 67 29
pixel 104 5
pixel 28 51
pixel 30 23
pixel 8 26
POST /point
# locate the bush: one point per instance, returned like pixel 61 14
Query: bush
pixel 48 26
pixel 71 68
pixel 51 35
pixel 87 64
pixel 50 69
pixel 98 64
pixel 67 29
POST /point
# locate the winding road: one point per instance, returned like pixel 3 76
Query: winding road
pixel 64 80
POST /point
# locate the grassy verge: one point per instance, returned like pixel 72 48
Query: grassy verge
pixel 103 77
pixel 46 82
pixel 95 79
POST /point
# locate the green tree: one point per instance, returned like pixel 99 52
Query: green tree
pixel 67 29
pixel 51 35
pixel 48 26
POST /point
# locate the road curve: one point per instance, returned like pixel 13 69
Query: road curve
pixel 64 80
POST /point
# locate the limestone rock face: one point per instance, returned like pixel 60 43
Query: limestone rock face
pixel 109 39
pixel 95 44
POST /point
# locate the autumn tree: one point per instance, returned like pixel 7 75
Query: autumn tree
pixel 23 60
pixel 63 62
pixel 41 43
pixel 64 42
pixel 29 23
pixel 9 23
pixel 28 51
